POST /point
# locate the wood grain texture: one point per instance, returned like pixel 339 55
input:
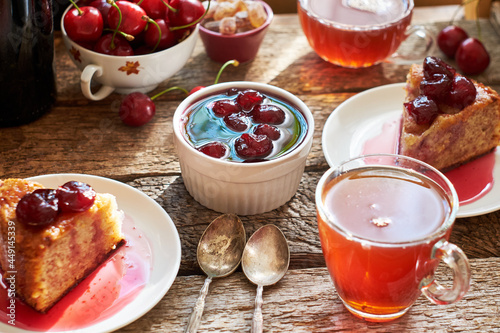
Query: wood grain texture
pixel 305 301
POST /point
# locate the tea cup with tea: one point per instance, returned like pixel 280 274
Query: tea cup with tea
pixel 384 222
pixel 361 33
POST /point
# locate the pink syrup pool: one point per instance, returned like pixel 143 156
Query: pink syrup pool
pixel 98 297
pixel 472 180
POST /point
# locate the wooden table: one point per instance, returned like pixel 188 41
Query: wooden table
pixel 88 137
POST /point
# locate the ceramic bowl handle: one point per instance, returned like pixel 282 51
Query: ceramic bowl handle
pixel 85 81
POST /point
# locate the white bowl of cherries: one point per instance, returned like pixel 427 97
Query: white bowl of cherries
pixel 127 47
pixel 242 146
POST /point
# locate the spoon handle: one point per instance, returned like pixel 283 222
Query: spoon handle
pixel 195 318
pixel 257 322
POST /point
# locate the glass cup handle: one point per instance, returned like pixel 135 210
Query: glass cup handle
pixel 425 46
pixel 85 80
pixel 456 259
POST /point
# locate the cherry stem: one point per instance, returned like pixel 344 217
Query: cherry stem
pixel 149 20
pixel 466 2
pixel 113 3
pixel 169 7
pixel 194 22
pixel 170 89
pixel 139 3
pixel 235 63
pixel 125 35
pixel 80 12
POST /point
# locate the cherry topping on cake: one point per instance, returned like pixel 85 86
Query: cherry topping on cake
pixel 250 146
pixel 267 114
pixel 249 98
pixel 434 65
pixel 75 196
pixel 423 109
pixel 215 149
pixel 38 208
pixel 436 87
pixel 264 129
pixel 225 107
pixel 463 93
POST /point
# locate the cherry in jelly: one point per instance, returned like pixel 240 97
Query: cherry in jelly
pixel 270 131
pixel 237 122
pixel 38 208
pixel 75 196
pixel 251 125
pixel 249 98
pixel 215 149
pixel 251 146
pixel 225 107
pixel 267 114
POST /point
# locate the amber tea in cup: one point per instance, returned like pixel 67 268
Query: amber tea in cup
pixel 359 33
pixel 384 223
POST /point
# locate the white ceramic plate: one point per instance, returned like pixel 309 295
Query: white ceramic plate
pixel 156 225
pixel 364 116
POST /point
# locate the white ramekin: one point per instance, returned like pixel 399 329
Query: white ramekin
pixel 242 188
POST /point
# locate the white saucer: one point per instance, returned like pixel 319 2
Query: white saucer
pixel 156 225
pixel 363 116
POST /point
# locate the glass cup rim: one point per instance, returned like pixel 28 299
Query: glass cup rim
pixel 358 27
pixel 436 234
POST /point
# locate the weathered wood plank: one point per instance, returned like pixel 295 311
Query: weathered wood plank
pixel 305 301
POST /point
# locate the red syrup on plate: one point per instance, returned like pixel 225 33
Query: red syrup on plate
pixel 98 297
pixel 472 180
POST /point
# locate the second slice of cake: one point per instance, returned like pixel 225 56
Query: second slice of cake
pixel 465 125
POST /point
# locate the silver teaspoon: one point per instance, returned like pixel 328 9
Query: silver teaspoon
pixel 265 261
pixel 219 254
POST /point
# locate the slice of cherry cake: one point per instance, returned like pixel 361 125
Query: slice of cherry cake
pixel 448 119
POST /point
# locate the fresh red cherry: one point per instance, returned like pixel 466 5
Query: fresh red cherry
pixel 38 208
pixel 195 89
pixel 75 196
pixel 224 107
pixel 137 109
pixel 450 38
pixel 83 24
pixel 251 146
pixel 103 6
pixel 422 109
pixel 267 114
pixel 158 36
pixel 249 98
pixel 184 12
pixel 215 149
pixel 155 9
pixel 271 131
pixel 117 46
pixel 237 122
pixel 472 57
pixel 463 93
pixel 131 21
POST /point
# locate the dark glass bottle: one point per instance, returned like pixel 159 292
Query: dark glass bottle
pixel 27 78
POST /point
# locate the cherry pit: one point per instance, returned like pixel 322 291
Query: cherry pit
pixel 42 206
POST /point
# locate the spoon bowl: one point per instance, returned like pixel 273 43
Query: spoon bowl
pixel 219 254
pixel 265 261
